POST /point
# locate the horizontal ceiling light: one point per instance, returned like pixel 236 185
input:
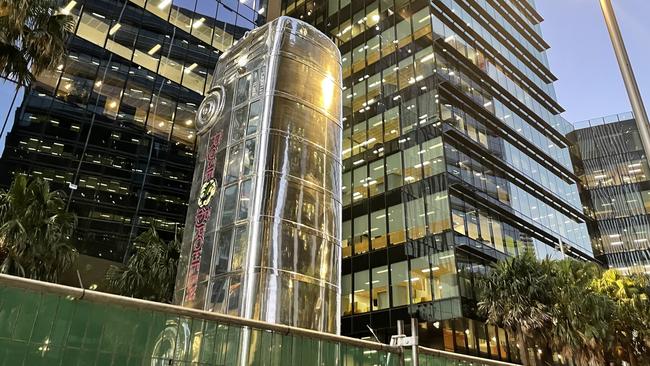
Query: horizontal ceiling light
pixel 114 29
pixel 189 69
pixel 198 22
pixel 154 49
pixel 164 3
pixel 68 7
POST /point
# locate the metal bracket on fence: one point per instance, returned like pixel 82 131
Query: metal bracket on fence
pixel 401 340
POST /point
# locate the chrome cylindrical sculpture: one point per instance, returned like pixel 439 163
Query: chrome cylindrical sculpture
pixel 263 231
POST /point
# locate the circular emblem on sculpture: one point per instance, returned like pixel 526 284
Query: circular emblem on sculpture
pixel 208 189
pixel 209 110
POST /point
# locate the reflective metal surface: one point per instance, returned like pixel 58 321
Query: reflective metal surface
pixel 263 232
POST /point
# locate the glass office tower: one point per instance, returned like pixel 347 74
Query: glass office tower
pixel 609 159
pixel 455 156
pixel 113 125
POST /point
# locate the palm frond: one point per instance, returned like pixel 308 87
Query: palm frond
pixel 35 231
pixel 32 38
pixel 150 272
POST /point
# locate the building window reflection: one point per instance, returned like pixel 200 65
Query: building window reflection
pixel 361 292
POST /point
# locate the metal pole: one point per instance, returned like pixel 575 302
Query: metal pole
pixel 415 361
pixel 631 86
pixel 400 331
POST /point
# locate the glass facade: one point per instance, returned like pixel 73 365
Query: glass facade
pixel 455 156
pixel 610 161
pixel 113 125
pixel 263 234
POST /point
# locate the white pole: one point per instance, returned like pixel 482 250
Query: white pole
pixel 631 86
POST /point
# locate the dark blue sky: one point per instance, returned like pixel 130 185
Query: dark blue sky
pixel 581 56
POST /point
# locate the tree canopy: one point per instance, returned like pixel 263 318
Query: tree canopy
pixel 150 272
pixel 32 38
pixel 573 309
pixel 35 231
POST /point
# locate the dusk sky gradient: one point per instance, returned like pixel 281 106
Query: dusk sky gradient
pixel 581 56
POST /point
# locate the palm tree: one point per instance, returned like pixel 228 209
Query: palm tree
pixel 150 273
pixel 35 230
pixel 514 295
pixel 630 323
pixel 580 315
pixel 32 38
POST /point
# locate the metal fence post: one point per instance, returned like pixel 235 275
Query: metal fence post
pixel 415 361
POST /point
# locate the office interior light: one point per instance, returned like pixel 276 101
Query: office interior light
pixel 66 10
pixel 114 29
pixel 154 49
pixel 164 3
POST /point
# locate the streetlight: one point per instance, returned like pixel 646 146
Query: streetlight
pixel 631 86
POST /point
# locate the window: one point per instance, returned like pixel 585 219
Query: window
pixel 92 28
pixel 496 233
pixel 380 295
pixel 248 158
pixel 378 229
pixel 361 237
pixel 121 42
pixel 409 114
pixel 421 23
pixel 361 292
pixel 415 218
pixel 432 159
pixel 239 248
pixel 394 171
pixel 347 188
pixel 458 220
pixel 332 7
pixel 391 124
pixel 397 234
pixel 484 224
pixel 399 283
pixel 229 204
pixel 160 8
pixel 420 280
pixel 472 224
pixel 387 42
pixel 243 86
pixel 346 294
pixel 360 183
pixel 412 165
pixel 234 163
pixel 403 32
pixel 161 116
pixel 346 65
pixel 244 200
pixel 238 125
pixel 347 143
pixel 372 53
pixel 376 182
pixel 346 243
pixel 359 135
pixel 445 279
pixel 254 117
pixel 438 212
